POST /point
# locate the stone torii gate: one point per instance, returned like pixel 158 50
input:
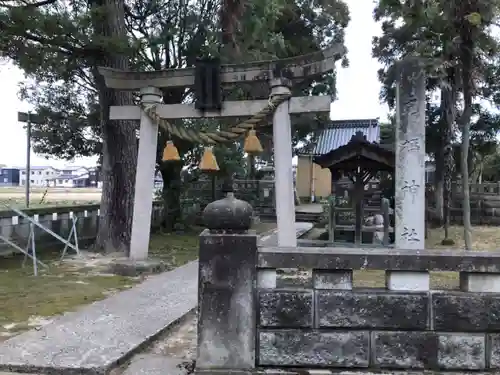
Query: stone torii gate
pixel 280 74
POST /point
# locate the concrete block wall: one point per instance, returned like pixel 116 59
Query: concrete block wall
pixel 58 219
pixel 316 319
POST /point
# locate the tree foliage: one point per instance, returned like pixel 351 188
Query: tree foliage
pixel 456 41
pixel 60 44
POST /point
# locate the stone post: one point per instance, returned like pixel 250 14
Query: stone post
pixel 226 288
pixel 144 179
pixel 283 171
pixel 410 170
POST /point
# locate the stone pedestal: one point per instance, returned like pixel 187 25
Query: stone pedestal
pixel 226 281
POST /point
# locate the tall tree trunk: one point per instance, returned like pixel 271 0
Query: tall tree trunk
pixel 467 60
pixel 119 137
pixel 171 193
pixel 439 181
pixel 448 95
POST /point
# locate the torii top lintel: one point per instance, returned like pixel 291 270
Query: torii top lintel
pixel 295 68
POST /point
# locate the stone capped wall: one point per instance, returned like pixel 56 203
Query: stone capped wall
pixel 316 319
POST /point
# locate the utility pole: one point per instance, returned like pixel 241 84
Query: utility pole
pixel 29 118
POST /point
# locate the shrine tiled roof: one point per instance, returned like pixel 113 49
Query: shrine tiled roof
pixel 339 133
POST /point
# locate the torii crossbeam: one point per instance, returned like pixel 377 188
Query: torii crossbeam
pixel 280 74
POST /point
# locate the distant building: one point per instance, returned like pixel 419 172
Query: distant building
pixel 315 182
pixel 67 177
pixel 39 176
pixel 77 177
pixel 9 176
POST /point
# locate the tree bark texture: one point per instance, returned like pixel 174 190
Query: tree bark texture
pixel 467 61
pixel 119 137
pixel 171 193
pixel 448 96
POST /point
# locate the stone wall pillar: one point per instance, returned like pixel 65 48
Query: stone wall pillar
pixel 226 288
pixel 410 157
pixel 144 179
pixel 410 171
pixel 283 171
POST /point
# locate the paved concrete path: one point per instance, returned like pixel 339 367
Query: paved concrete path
pixel 95 338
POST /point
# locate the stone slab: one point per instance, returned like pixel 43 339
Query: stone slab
pixel 466 312
pixel 372 310
pixel 98 336
pixel 461 351
pixel 493 354
pixel 407 281
pixel 270 238
pixel 404 350
pixel 479 282
pixel 429 350
pixel 312 348
pixel 348 258
pixel 286 309
pixel 133 268
pixel 154 364
pixel 333 279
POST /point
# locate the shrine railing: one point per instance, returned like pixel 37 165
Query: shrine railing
pixel 304 308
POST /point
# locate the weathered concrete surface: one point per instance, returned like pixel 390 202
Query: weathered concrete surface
pixel 151 364
pixel 304 348
pixel 293 309
pixel 471 312
pixel 372 310
pixel 95 338
pixel 226 301
pixel 347 258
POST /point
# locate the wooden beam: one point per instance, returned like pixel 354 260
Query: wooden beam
pixel 297 68
pixel 243 108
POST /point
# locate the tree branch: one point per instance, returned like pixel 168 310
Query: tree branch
pixel 26 5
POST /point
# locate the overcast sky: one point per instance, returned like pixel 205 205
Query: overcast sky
pixel 357 86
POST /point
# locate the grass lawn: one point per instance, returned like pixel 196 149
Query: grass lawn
pixel 484 239
pixel 27 301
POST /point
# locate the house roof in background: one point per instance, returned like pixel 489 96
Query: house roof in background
pixel 68 176
pixel 36 168
pixel 72 168
pixel 339 133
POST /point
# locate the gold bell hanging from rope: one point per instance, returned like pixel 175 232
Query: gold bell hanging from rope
pixel 170 152
pixel 252 144
pixel 208 162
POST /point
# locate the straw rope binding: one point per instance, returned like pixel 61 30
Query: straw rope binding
pixel 212 138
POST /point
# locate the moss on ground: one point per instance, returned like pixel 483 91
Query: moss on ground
pixel 52 292
pixel 62 288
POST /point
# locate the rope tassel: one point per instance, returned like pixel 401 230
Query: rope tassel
pixel 208 162
pixel 170 152
pixel 252 144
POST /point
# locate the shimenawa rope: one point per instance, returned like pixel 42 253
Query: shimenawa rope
pixel 212 138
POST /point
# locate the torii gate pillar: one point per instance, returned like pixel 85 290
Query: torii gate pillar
pixel 144 179
pixel 283 171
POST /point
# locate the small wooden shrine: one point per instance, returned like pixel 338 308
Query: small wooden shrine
pixel 360 161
